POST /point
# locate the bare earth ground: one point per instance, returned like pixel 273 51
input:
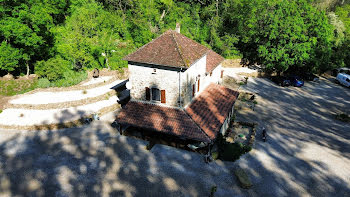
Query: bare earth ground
pixel 3 101
pixel 307 154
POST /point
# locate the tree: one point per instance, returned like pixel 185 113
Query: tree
pixel 280 34
pixel 25 25
pixel 53 69
pixel 9 57
pixel 342 52
pixel 90 34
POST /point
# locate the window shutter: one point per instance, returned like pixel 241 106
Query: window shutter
pixel 199 81
pixel 193 90
pixel 162 96
pixel 148 94
pixel 222 74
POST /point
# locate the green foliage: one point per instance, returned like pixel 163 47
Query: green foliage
pixel 9 57
pixel 281 34
pixel 90 32
pixel 26 24
pixel 278 34
pixel 53 69
pixel 342 52
pixel 43 83
pixel 70 78
pixel 232 152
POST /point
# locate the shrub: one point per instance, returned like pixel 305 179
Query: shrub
pixel 43 83
pixel 343 117
pixel 0 111
pixel 53 69
pixel 232 152
pixel 70 78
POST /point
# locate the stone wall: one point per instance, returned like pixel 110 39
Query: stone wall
pixel 142 77
pixel 189 78
pixel 169 80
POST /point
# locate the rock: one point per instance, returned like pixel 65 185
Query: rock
pixel 96 73
pixel 243 178
pixel 33 76
pixel 8 77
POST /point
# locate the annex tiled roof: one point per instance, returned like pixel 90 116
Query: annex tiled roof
pixel 213 60
pixel 163 119
pixel 172 49
pixel 210 109
pixel 200 121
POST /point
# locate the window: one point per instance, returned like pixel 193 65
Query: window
pixel 347 79
pixel 155 94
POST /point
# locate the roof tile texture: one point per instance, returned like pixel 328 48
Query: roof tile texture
pixel 173 49
pixel 163 119
pixel 201 120
pixel 213 60
pixel 210 109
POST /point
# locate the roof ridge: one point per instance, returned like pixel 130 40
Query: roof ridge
pixel 178 49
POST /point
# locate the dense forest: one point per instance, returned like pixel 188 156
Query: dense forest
pixel 58 38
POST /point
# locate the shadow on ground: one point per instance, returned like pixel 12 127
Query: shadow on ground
pixel 308 150
pixel 307 153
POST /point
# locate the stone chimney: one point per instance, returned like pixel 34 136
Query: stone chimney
pixel 177 28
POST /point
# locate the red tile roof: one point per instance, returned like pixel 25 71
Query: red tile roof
pixel 210 109
pixel 175 50
pixel 163 119
pixel 200 121
pixel 213 60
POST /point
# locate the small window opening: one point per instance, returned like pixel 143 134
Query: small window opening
pixel 155 92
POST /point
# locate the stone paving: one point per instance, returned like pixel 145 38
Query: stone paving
pixel 307 153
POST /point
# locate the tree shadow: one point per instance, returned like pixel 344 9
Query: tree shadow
pixel 306 146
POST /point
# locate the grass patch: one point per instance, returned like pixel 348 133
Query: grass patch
pixel 20 86
pixel 0 111
pixel 17 86
pixel 70 78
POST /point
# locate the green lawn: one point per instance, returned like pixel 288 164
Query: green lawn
pixel 18 86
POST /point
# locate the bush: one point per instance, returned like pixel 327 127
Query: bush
pixel 70 78
pixel 52 69
pixel 43 83
pixel 232 152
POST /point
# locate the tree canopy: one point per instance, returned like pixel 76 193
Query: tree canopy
pixel 277 34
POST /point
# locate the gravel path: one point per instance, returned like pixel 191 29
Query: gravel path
pixel 97 80
pixel 29 117
pixel 63 96
pixel 307 154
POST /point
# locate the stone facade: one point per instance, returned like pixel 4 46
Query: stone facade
pixel 141 77
pixel 170 80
